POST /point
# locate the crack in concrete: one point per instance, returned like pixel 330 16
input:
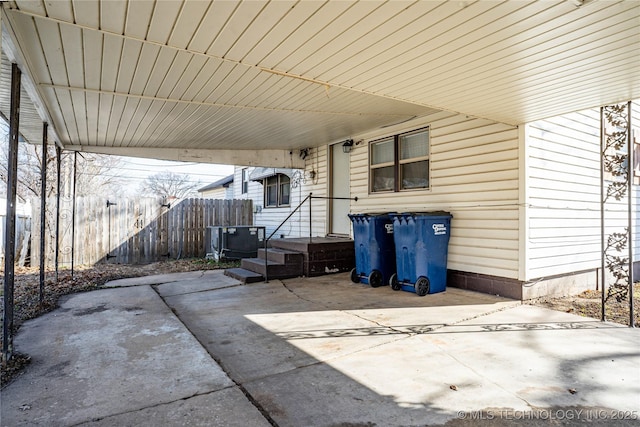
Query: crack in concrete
pixel 317 303
pixel 155 287
pixel 159 404
pixel 222 366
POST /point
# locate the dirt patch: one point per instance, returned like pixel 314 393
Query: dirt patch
pixel 589 304
pixel 26 292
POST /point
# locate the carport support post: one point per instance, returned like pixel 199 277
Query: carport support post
pixel 73 209
pixel 58 163
pixel 630 212
pixel 603 275
pixel 43 206
pixel 10 224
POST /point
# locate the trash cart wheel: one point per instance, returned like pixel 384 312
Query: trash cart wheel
pixel 375 279
pixel 355 277
pixel 393 281
pixel 422 286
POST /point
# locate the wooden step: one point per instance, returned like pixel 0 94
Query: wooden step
pixel 276 269
pixel 322 255
pixel 243 275
pixel 281 256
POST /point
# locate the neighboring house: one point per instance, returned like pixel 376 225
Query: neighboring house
pixel 275 193
pixel 525 199
pixel 23 229
pixel 221 189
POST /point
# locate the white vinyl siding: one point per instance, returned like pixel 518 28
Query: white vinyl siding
pixel 563 184
pixel 225 193
pixel 271 217
pixel 317 161
pixel 474 175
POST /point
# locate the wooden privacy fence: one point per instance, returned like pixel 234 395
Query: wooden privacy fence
pixel 133 231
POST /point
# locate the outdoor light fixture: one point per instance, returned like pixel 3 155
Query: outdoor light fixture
pixel 304 153
pixel 347 146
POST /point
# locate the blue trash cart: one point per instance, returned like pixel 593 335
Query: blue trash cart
pixel 421 249
pixel 374 249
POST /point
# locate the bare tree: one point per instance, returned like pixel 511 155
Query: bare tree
pixel 170 185
pixel 94 172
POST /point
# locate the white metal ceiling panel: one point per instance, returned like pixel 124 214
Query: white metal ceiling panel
pixel 288 74
pixel 269 16
pixel 164 16
pixel 103 120
pixel 111 51
pixel 200 80
pixel 113 16
pixel 130 107
pixel 29 40
pixel 239 22
pixel 512 60
pixel 30 123
pixel 187 23
pixel 160 68
pixel 174 73
pixel 87 13
pixel 31 6
pixel 131 50
pixel 138 18
pixel 212 23
pixel 295 18
pixel 92 59
pixel 144 67
pixel 313 24
pixel 354 37
pixel 60 10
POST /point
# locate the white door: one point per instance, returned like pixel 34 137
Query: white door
pixel 339 222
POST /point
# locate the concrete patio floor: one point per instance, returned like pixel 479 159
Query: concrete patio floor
pixel 200 349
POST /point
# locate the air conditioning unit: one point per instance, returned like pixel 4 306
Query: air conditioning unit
pixel 231 243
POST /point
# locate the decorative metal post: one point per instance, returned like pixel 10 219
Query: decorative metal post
pixel 616 186
pixel 10 224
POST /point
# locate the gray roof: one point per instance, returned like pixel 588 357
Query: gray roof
pixel 224 182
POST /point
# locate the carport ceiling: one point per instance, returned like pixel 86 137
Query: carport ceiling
pixel 290 74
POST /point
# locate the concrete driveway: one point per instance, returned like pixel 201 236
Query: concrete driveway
pixel 202 349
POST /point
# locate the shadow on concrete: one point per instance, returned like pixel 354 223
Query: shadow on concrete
pixel 326 352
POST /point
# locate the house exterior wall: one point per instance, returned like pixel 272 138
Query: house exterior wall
pixel 525 200
pixel 218 193
pixel 474 175
pixel 563 185
pixel 318 186
pixel 269 217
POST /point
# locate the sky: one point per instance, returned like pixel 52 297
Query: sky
pixel 136 170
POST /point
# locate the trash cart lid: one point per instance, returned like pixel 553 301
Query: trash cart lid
pixel 417 214
pixel 370 214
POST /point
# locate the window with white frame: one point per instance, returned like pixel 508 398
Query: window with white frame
pixel 245 181
pixel 399 162
pixel 277 191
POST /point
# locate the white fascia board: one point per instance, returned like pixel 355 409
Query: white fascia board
pixel 265 158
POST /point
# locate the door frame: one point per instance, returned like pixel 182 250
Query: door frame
pixel 330 180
